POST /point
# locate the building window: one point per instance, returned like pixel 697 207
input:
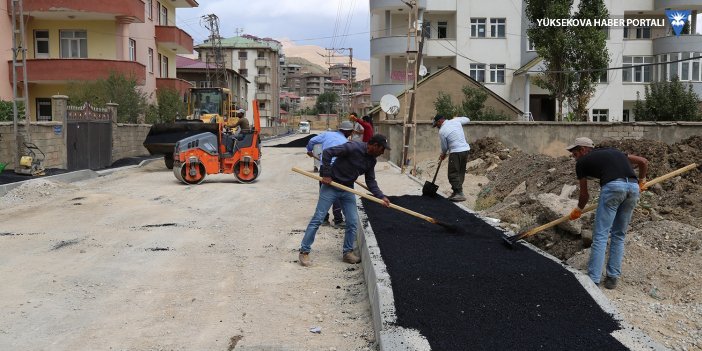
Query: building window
pixel 41 44
pixel 261 105
pixel 626 116
pixel 132 50
pixel 261 54
pixel 497 27
pixel 150 64
pixel 600 115
pixel 74 43
pixel 205 84
pixel 696 67
pixel 442 30
pixel 603 77
pixel 163 66
pixel 244 72
pixel 497 73
pixel 634 72
pixel 426 28
pixel 149 9
pixel 477 71
pixel 43 109
pixel 637 32
pixel 243 55
pixel 530 45
pixel 685 67
pixel 477 27
pixel 162 14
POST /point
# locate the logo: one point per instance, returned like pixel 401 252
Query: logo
pixel 677 19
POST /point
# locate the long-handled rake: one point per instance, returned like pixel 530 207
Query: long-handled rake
pixel 509 241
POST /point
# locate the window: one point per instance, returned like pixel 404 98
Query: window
pixel 41 44
pixel 600 115
pixel 427 29
pixel 626 116
pixel 603 77
pixel 673 66
pixel 150 64
pixel 696 67
pixel 74 43
pixel 477 27
pixel 205 84
pixel 685 67
pixel 163 70
pixel 149 9
pixel 262 88
pixel 530 45
pixel 643 32
pixel 243 55
pixel 663 68
pixel 43 109
pixel 634 72
pixel 261 54
pixel 442 30
pixel 132 49
pixel 162 14
pixel 497 27
pixel 261 71
pixel 244 72
pixel 477 71
pixel 262 105
pixel 497 73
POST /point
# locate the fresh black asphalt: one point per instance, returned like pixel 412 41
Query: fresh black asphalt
pixel 302 142
pixel 465 290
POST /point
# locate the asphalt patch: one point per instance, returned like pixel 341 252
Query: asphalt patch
pixel 466 288
pixel 302 142
pixel 158 249
pixel 159 225
pixel 64 243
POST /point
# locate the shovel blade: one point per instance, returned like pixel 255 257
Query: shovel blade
pixel 429 189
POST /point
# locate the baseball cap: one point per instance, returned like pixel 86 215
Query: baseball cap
pixel 241 110
pixel 346 125
pixel 380 140
pixel 582 141
pixel 437 118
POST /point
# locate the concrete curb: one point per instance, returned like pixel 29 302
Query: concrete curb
pixel 389 336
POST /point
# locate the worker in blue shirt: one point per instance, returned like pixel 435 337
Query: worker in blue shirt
pixel 327 140
pixel 350 161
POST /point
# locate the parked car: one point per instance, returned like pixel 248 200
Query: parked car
pixel 304 127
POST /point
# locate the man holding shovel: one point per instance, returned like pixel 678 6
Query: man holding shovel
pixel 619 192
pixel 453 142
pixel 351 160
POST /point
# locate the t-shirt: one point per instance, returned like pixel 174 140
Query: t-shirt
pixel 606 164
pixel 357 134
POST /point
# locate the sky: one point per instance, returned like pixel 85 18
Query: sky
pixel 327 23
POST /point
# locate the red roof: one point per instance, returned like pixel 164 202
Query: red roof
pixel 184 62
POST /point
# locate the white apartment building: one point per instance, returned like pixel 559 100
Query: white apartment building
pixel 488 41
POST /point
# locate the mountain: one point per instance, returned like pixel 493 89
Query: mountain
pixel 313 54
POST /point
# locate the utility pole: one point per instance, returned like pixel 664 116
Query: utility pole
pixel 331 53
pixel 218 78
pixel 19 59
pixel 413 57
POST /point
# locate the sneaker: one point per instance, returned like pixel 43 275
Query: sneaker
pixel 339 225
pixel 351 258
pixel 457 197
pixel 610 283
pixel 304 259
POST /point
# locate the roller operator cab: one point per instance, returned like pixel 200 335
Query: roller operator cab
pixel 227 152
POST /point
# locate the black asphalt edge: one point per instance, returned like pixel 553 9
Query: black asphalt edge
pixel 391 337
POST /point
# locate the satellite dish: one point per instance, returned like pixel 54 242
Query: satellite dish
pixel 390 104
pixel 422 70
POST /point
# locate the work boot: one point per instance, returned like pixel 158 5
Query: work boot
pixel 349 257
pixel 339 225
pixel 457 197
pixel 305 259
pixel 610 283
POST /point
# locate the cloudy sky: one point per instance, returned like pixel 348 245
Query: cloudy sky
pixel 327 23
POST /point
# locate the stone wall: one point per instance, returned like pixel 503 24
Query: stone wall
pixel 548 138
pixel 128 140
pixel 273 131
pixel 43 134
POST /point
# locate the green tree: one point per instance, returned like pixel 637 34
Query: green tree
pixel 7 111
pixel 117 88
pixel 170 105
pixel 473 102
pixel 444 105
pixel 668 101
pixel 472 106
pixel 326 102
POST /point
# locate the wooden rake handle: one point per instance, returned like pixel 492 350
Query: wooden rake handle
pixel 593 206
pixel 356 181
pixel 365 196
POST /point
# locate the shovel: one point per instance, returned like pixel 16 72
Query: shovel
pixel 375 199
pixel 509 241
pixel 429 189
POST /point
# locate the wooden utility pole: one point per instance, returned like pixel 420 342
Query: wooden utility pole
pixel 413 57
pixel 331 53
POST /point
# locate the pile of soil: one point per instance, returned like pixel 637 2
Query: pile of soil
pixel 302 142
pixel 466 288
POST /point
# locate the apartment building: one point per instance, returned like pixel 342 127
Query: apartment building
pixel 80 40
pixel 488 41
pixel 257 59
pixel 195 72
pixel 342 71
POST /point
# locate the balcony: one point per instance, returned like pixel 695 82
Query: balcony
pixel 61 71
pixel 177 84
pixel 123 11
pixel 260 96
pixel 393 4
pixel 677 4
pixel 263 62
pixel 395 45
pixel 683 43
pixel 175 39
pixel 263 79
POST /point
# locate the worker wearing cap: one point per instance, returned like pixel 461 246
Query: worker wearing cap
pixel 327 140
pixel 453 142
pixel 619 192
pixel 350 161
pixel 241 121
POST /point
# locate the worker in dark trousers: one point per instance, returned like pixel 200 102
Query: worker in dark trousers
pixel 619 192
pixel 453 142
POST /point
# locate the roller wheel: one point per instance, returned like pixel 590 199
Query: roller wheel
pixel 168 159
pixel 193 173
pixel 247 172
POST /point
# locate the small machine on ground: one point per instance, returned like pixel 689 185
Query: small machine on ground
pixel 227 152
pixel 33 162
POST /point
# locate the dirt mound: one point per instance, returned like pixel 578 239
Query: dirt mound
pixel 486 147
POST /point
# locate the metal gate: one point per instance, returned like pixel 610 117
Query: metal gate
pixel 88 137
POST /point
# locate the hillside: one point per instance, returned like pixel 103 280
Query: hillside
pixel 312 53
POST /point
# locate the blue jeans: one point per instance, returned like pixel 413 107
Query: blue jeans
pixel 615 207
pixel 327 196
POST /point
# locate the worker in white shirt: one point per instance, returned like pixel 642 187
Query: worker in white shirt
pixel 454 144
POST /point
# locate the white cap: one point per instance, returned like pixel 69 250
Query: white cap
pixel 582 141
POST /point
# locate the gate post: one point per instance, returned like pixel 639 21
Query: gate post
pixel 59 108
pixel 112 109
